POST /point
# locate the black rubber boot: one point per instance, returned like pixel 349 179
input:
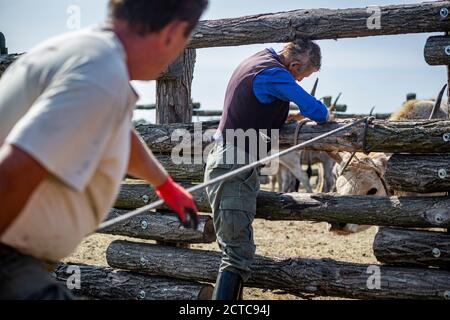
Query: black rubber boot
pixel 229 286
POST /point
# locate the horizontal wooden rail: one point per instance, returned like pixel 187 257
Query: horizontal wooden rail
pixel 109 284
pixel 427 136
pixel 419 212
pixel 323 24
pixel 419 173
pixel 437 50
pixel 318 277
pixel 161 227
pixel 412 247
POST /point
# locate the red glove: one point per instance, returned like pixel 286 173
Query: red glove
pixel 181 201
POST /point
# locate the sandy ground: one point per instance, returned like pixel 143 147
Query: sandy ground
pixel 272 238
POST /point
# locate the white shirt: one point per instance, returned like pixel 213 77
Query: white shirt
pixel 68 103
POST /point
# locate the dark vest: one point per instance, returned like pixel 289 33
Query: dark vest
pixel 242 110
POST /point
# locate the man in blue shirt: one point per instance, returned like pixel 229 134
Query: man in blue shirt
pixel 280 83
pixel 257 101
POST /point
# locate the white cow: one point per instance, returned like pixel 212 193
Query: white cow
pixel 291 170
pixel 364 175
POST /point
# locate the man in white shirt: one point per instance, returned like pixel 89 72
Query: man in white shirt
pixel 66 136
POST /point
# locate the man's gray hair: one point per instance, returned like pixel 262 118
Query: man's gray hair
pixel 307 50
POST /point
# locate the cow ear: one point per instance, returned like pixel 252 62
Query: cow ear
pixel 381 161
pixel 336 156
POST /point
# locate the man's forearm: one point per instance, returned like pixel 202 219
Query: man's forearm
pixel 20 175
pixel 143 164
pixel 11 205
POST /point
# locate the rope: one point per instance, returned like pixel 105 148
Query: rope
pixel 231 174
pixel 382 179
pixel 299 126
pixel 347 163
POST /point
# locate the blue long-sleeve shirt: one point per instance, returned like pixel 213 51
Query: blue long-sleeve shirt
pixel 278 83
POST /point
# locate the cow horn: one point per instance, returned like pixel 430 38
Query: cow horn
pixel 314 89
pixel 437 105
pixel 333 105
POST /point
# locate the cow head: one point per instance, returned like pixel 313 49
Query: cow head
pixel 360 175
pixel 364 174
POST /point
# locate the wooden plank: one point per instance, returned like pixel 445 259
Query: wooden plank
pixel 419 173
pixel 412 247
pixel 293 107
pixel 109 284
pixel 195 105
pixel 318 277
pixel 418 212
pixel 379 116
pixel 187 171
pixel 422 136
pixel 322 24
pixel 437 50
pixel 161 227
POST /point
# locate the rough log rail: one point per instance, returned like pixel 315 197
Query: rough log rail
pixel 161 227
pixel 418 212
pixel 320 24
pixel 379 116
pixel 188 171
pixel 426 136
pixel 323 277
pixel 412 247
pixel 437 50
pixel 195 106
pixel 419 173
pixel 109 284
pixel 292 107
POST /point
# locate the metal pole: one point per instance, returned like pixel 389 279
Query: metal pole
pixel 231 174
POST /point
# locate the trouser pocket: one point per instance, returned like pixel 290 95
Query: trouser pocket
pixel 235 239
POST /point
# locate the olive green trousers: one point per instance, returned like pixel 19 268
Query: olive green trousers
pixel 233 204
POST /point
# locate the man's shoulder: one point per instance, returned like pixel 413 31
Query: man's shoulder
pixel 87 61
pixel 276 71
pixel 88 46
pixel 261 60
pixel 85 54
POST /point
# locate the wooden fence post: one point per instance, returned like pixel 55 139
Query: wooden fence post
pixel 173 91
pixel 173 99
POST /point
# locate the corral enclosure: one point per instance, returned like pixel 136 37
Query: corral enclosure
pixel 411 263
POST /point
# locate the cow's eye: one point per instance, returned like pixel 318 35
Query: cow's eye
pixel 372 192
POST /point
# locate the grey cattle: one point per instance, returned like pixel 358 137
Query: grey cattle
pixel 364 174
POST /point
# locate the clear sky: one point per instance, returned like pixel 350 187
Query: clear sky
pixel 373 71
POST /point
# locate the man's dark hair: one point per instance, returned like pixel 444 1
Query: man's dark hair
pixel 145 16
